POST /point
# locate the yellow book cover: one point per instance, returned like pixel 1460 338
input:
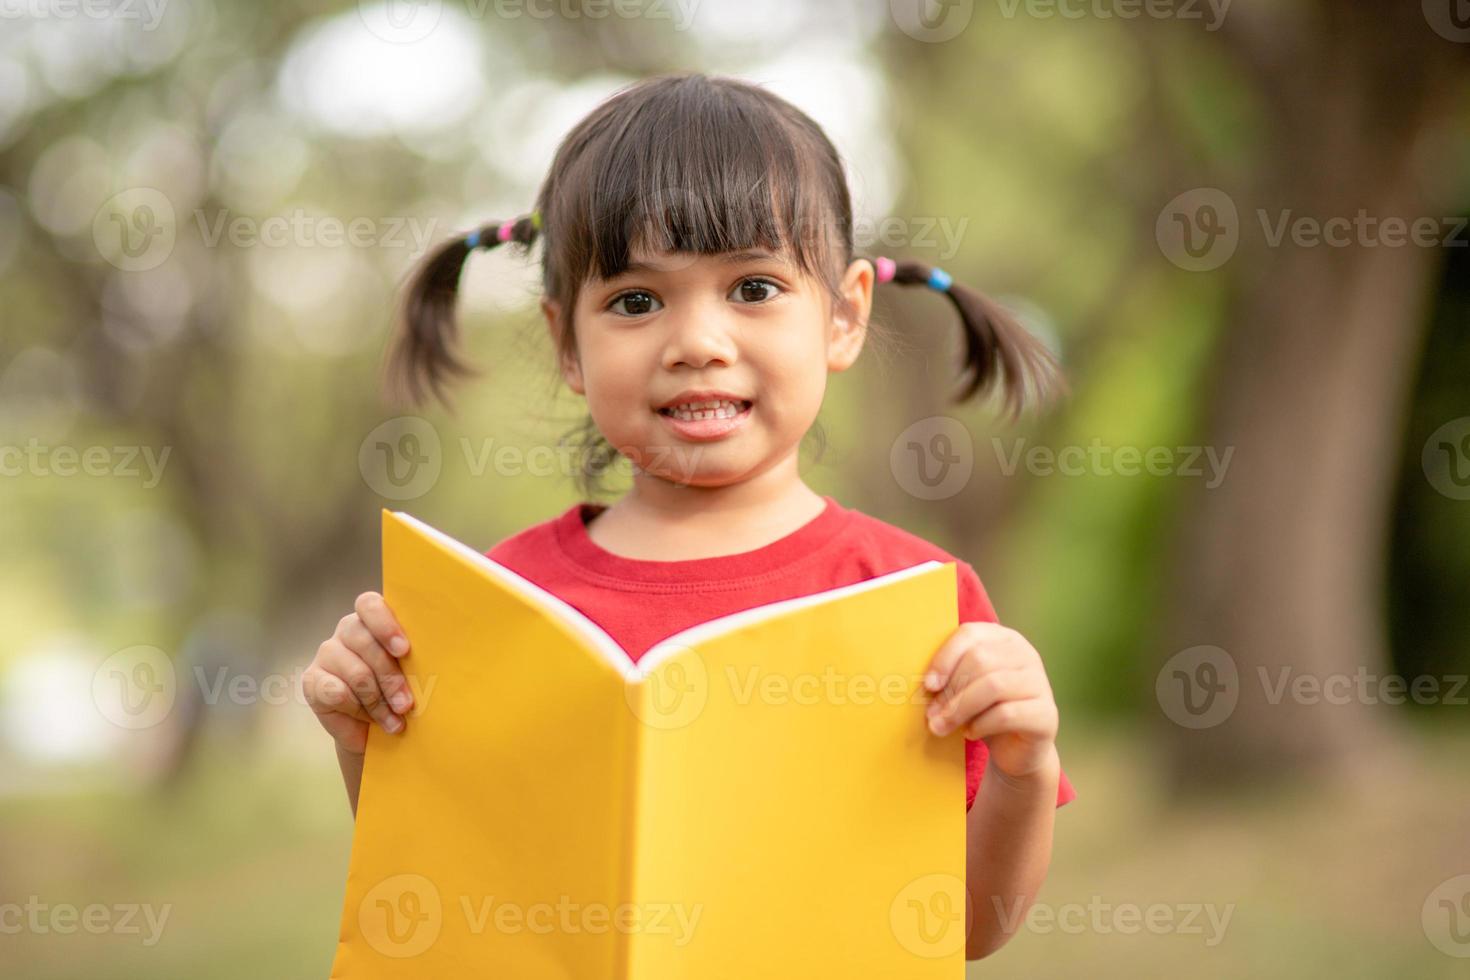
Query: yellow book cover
pixel 758 796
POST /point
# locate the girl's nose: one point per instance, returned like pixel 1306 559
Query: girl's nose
pixel 699 336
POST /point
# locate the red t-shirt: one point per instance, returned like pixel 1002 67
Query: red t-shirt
pixel 638 602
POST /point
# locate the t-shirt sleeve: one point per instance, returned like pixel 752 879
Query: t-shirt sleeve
pixel 975 607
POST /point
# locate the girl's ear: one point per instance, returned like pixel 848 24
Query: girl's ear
pixel 569 366
pixel 850 326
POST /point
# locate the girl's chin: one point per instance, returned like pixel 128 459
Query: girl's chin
pixel 687 464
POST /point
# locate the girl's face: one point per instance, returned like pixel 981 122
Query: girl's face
pixel 748 326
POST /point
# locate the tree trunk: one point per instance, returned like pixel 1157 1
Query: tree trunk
pixel 1282 565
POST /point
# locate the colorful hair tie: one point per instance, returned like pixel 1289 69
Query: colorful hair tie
pixel 886 268
pixel 536 220
pixel 472 240
pixel 507 228
pixel 939 279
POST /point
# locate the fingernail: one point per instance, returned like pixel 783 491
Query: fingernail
pixel 936 725
pixel 393 723
pixel 399 700
pixel 398 645
pixel 931 680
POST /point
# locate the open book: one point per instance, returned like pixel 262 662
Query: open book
pixel 758 796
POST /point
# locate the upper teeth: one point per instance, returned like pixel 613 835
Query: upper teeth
pixel 723 408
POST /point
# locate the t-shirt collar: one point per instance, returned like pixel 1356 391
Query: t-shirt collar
pixel 577 545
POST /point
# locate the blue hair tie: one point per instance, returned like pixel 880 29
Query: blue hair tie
pixel 472 240
pixel 939 279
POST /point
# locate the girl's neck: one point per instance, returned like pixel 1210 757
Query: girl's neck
pixel 657 521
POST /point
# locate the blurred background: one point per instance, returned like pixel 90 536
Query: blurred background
pixel 1242 544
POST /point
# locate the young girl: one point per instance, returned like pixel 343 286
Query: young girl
pixel 700 284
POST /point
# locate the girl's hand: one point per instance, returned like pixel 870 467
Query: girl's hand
pixel 992 686
pixel 355 677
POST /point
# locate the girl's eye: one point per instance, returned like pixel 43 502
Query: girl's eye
pixel 636 303
pixel 757 290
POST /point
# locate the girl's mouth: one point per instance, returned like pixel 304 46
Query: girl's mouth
pixel 707 420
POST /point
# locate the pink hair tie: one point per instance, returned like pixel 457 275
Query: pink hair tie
pixel 886 268
pixel 506 229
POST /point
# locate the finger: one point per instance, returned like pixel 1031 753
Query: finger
pixel 374 612
pixel 950 652
pixel 1019 716
pixel 976 697
pixel 354 635
pixel 363 684
pixel 329 694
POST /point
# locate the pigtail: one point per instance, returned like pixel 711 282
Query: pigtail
pixel 424 354
pixel 999 351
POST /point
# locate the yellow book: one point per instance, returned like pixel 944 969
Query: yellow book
pixel 758 797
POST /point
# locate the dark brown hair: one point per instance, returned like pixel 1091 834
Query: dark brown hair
pixel 690 163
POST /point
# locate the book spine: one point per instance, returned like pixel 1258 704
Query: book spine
pixel 636 695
